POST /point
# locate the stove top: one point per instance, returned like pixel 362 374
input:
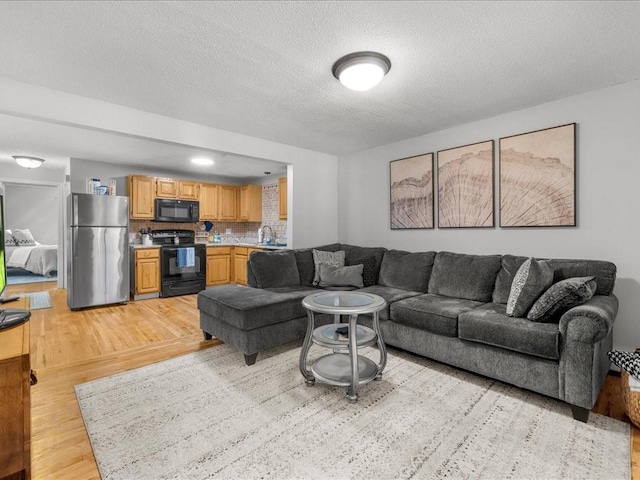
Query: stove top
pixel 184 238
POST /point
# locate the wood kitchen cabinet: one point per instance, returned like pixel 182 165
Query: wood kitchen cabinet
pixel 166 188
pixel 282 198
pixel 218 265
pixel 240 258
pixel 209 201
pixel 228 202
pixel 142 193
pixel 250 203
pixel 147 272
pixel 188 190
pixel 15 399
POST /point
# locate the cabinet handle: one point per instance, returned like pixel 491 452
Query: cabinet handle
pixel 33 377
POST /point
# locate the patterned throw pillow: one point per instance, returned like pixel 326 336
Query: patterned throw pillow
pixel 369 270
pixel 561 297
pixel 8 239
pixel 331 258
pixel 23 237
pixel 531 280
pixel 349 276
pixel 627 361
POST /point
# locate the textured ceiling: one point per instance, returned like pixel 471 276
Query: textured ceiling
pixel 264 68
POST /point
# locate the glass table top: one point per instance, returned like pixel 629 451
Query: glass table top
pixel 343 299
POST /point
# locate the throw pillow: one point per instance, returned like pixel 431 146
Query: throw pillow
pixel 627 361
pixel 562 296
pixel 331 258
pixel 531 280
pixel 368 271
pixel 23 237
pixel 349 276
pixel 8 238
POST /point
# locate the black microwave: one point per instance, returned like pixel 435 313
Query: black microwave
pixel 169 210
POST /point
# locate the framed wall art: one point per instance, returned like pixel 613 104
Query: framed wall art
pixel 411 190
pixel 465 186
pixel 538 178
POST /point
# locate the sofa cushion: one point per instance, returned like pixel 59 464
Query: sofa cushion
pixel 605 273
pixel 405 270
pixel 304 259
pixel 369 276
pixel 560 297
pixel 348 276
pixel 490 325
pixel 274 269
pixel 458 275
pixel 531 280
pixel 249 308
pixel 391 295
pixel 328 258
pixel 433 313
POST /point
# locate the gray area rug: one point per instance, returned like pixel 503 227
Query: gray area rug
pixel 207 415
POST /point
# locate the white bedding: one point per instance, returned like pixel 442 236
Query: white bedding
pixel 39 259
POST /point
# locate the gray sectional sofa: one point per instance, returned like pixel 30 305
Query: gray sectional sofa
pixel 446 306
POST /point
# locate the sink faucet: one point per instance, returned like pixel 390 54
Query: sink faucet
pixel 267 237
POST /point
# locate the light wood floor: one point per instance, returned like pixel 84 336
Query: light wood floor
pixel 68 348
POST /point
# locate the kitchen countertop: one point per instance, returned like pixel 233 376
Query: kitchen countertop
pixel 250 245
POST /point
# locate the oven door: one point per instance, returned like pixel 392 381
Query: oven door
pixel 179 275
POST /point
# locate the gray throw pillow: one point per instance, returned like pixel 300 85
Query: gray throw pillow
pixel 350 276
pixel 530 282
pixel 23 237
pixel 560 297
pixel 329 258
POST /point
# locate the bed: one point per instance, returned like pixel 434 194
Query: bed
pixel 33 257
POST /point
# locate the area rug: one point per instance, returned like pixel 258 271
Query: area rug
pixel 37 300
pixel 17 276
pixel 208 415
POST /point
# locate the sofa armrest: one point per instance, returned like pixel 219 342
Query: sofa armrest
pixel 590 322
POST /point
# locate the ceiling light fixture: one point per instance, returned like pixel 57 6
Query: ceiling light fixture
pixel 28 162
pixel 202 161
pixel 361 70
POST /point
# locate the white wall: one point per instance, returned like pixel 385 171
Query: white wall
pixel 608 196
pixel 35 207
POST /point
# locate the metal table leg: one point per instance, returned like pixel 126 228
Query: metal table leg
pixel 306 373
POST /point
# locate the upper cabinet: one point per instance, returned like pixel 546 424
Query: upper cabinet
pixel 209 201
pixel 142 192
pixel 250 203
pixel 228 202
pixel 166 188
pixel 282 198
pixel 188 190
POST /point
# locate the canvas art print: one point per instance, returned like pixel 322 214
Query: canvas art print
pixel 412 192
pixel 465 186
pixel 537 178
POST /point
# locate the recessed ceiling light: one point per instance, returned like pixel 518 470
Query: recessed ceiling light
pixel 28 162
pixel 361 70
pixel 202 161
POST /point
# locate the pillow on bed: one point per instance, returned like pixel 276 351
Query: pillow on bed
pixel 23 238
pixel 8 238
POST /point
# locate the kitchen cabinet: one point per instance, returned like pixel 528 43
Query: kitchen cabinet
pixel 208 201
pixel 166 188
pixel 218 265
pixel 147 272
pixel 282 198
pixel 250 203
pixel 15 399
pixel 187 190
pixel 228 202
pixel 142 192
pixel 240 257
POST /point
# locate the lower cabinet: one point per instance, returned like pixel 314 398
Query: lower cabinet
pixel 240 257
pixel 146 281
pixel 218 265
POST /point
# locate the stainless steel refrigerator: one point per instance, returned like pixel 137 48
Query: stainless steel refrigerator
pixel 98 256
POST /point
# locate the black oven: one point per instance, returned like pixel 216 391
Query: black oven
pixel 168 210
pixel 183 264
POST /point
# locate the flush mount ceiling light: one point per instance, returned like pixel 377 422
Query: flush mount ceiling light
pixel 202 161
pixel 28 162
pixel 361 70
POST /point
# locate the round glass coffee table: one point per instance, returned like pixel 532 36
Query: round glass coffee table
pixel 343 366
